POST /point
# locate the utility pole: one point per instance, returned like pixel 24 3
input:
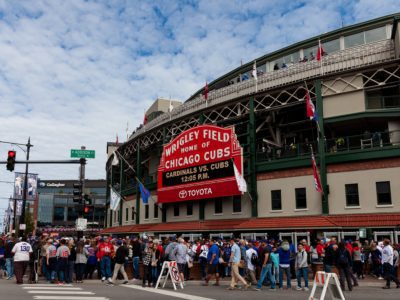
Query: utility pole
pixel 82 180
pixel 24 196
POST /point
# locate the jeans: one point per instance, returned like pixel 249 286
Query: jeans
pixel 154 274
pixel 80 270
pixel 135 264
pixel 302 272
pixel 105 266
pixel 69 276
pixel 266 271
pixel 203 265
pixel 276 273
pixel 10 267
pixel 288 276
pixel 388 274
pixel 45 272
pixel 327 268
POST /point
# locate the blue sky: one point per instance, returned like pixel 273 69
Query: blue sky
pixel 75 72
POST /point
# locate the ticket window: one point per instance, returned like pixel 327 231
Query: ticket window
pixel 302 236
pixel 397 237
pixel 331 234
pixel 161 237
pixel 247 236
pixel 286 236
pixel 260 236
pixel 352 235
pixel 215 235
pixel 226 236
pixel 196 236
pixel 379 236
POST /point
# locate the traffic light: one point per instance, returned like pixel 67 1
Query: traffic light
pixel 86 209
pixel 11 160
pixel 77 192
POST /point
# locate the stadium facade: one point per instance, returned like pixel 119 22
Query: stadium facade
pixel 355 87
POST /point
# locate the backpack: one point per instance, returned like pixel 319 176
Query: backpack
pixel 343 258
pixel 254 259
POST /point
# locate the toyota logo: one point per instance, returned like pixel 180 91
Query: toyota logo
pixel 182 194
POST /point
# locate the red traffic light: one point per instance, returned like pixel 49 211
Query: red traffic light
pixel 11 160
pixel 86 210
pixel 11 154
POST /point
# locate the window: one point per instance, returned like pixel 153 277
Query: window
pixel 301 199
pixel 176 210
pixel 331 46
pixel 237 204
pixel 384 97
pixel 383 193
pixel 133 213
pixel 310 50
pixel 72 214
pixel 276 200
pixel 189 209
pixel 126 214
pixel 58 213
pixel 155 211
pixel 376 34
pixel 352 198
pixel 146 211
pixel 354 40
pixel 218 206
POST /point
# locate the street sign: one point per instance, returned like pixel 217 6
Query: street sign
pixel 363 233
pixel 82 153
pixel 81 224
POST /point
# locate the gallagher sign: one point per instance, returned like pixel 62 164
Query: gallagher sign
pixel 198 164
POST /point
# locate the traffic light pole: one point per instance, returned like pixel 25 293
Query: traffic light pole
pixel 82 180
pixel 22 218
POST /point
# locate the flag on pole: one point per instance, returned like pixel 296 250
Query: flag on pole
pixel 145 193
pixel 115 198
pixel 115 160
pixel 145 119
pixel 242 185
pixel 206 91
pixel 170 106
pixel 254 72
pixel 320 51
pixel 311 111
pixel 317 181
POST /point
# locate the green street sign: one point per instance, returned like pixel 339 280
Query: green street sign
pixel 77 153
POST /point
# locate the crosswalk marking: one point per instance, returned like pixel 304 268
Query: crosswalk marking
pixel 51 288
pixel 46 284
pixel 167 293
pixel 68 298
pixel 60 292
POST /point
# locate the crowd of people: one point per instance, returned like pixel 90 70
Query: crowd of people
pixel 248 262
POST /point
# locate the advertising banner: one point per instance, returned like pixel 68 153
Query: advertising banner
pixel 198 164
pixel 19 186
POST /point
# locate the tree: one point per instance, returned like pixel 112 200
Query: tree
pixel 29 222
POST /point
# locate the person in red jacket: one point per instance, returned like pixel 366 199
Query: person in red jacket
pixel 105 251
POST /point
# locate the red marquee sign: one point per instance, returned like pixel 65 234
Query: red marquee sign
pixel 198 164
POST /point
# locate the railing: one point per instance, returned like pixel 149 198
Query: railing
pixel 347 59
pixel 293 150
pixel 366 141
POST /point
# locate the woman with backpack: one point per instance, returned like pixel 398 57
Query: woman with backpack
pixel 343 262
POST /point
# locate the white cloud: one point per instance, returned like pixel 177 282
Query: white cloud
pixel 73 73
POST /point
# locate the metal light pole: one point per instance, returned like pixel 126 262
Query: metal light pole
pixel 24 196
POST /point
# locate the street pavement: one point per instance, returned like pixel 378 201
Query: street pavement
pixel 95 290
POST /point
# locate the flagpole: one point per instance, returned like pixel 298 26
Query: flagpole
pixel 320 55
pixel 312 156
pixel 135 177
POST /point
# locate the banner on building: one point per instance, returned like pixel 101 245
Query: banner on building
pixel 19 186
pixel 198 164
pixel 18 210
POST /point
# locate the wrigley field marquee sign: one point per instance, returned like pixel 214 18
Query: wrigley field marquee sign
pixel 198 164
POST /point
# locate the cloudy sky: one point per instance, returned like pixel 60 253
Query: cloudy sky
pixel 76 72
